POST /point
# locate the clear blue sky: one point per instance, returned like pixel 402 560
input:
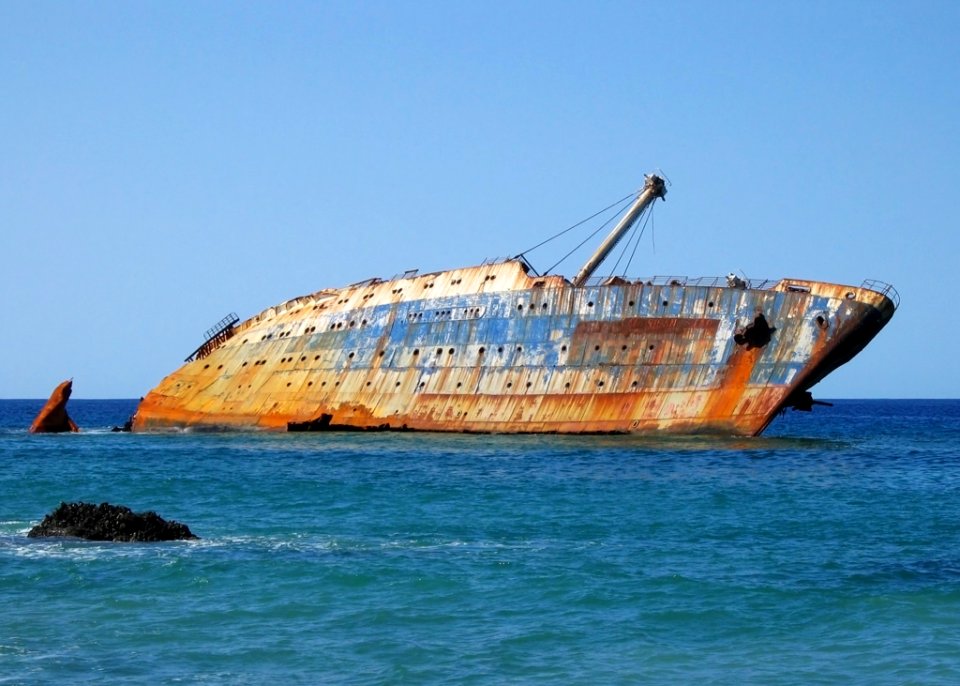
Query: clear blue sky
pixel 165 163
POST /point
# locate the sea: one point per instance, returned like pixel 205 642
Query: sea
pixel 826 551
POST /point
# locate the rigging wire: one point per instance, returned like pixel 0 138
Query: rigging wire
pixel 649 218
pixel 636 234
pixel 579 223
pixel 625 246
pixel 653 235
pixel 581 244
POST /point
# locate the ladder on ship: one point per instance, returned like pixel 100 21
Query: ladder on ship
pixel 215 336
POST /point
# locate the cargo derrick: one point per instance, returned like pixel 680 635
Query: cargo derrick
pixel 494 348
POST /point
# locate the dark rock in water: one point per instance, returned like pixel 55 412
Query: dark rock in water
pixel 106 522
pixel 53 418
pixel 127 426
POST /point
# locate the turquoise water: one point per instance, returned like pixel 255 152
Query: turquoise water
pixel 827 551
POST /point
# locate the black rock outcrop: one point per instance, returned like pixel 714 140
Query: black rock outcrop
pixel 106 522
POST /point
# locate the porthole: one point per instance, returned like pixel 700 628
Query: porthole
pixel 481 351
pixel 630 303
pixel 596 347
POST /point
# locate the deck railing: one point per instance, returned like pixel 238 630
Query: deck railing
pixel 884 289
pixel 704 281
pixel 214 337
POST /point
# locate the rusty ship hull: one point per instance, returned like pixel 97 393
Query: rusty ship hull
pixel 493 348
pixel 496 348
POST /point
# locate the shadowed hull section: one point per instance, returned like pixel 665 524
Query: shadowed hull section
pixel 491 349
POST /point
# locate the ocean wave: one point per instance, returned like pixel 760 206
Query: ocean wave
pixel 80 550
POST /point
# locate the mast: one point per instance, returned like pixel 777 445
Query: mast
pixel 653 188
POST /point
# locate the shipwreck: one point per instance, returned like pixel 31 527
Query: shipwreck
pixel 499 348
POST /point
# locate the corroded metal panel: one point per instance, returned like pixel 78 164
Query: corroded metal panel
pixel 491 348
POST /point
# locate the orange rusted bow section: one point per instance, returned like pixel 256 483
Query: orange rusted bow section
pixel 53 418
